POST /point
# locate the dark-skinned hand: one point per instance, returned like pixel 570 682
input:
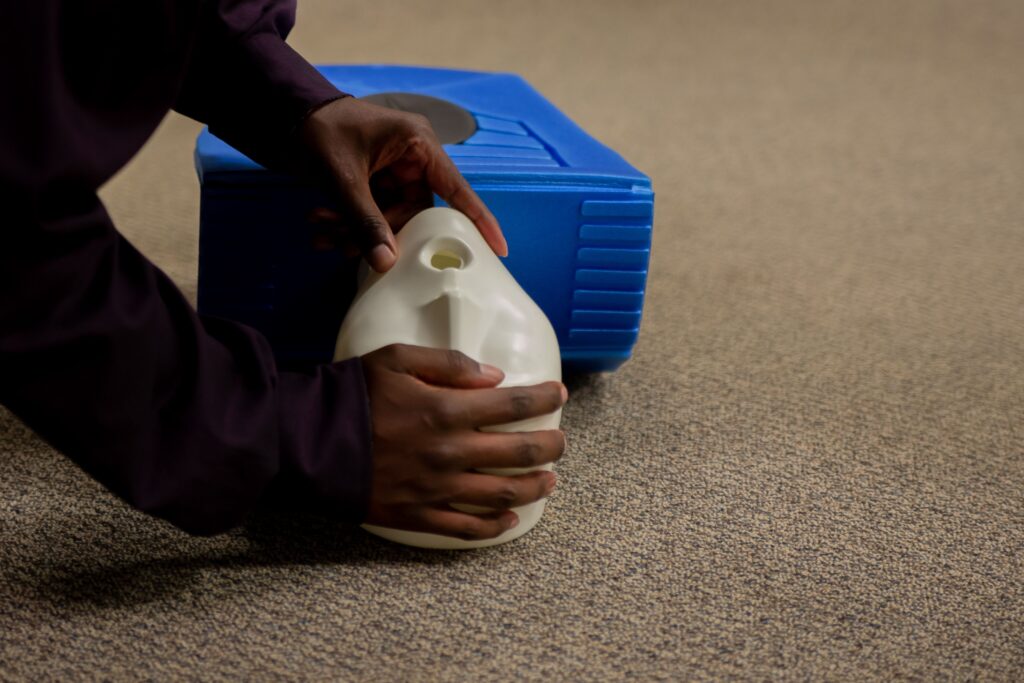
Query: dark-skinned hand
pixel 382 167
pixel 427 408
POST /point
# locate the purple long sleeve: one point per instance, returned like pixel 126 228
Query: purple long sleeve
pixel 186 418
pixel 247 83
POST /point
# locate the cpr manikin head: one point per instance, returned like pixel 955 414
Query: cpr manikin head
pixel 449 290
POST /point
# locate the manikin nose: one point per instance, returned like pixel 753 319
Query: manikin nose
pixel 453 314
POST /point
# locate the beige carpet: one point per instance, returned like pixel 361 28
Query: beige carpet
pixel 813 468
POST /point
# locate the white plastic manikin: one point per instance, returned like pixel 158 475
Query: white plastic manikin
pixel 449 290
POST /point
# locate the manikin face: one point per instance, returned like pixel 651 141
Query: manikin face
pixel 449 290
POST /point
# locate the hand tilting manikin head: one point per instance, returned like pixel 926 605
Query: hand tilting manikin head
pixel 382 167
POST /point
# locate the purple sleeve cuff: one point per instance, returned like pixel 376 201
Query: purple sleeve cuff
pixel 283 88
pixel 249 85
pixel 325 440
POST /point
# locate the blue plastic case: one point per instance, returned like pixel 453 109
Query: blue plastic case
pixel 577 217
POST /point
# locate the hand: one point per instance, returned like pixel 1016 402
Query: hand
pixel 427 406
pixel 382 167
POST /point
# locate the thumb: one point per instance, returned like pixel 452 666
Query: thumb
pixel 366 223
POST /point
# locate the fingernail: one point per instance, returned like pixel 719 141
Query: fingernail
pixel 550 486
pixel 491 372
pixel 514 523
pixel 565 394
pixel 382 256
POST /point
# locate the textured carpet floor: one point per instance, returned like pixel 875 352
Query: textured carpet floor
pixel 812 469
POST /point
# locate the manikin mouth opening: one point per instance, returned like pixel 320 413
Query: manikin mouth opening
pixel 445 259
pixel 446 253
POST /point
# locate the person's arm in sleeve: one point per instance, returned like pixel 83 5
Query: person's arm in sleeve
pixel 259 95
pixel 186 419
pixel 102 356
pixel 247 83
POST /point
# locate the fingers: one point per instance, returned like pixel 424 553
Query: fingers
pixel 331 232
pixel 500 492
pixel 443 367
pixel 427 407
pixel 489 491
pixel 448 522
pixel 444 179
pixel 398 215
pixel 498 406
pixel 349 142
pixel 425 157
pixel 321 215
pixel 508 450
pixel 360 211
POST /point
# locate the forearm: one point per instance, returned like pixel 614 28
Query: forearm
pixel 186 418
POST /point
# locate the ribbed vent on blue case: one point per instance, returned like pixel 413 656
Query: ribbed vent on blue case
pixel 611 272
pixel 500 142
